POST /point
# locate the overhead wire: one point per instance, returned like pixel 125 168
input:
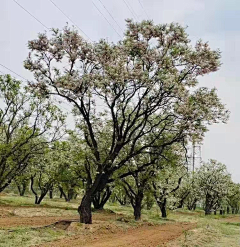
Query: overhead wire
pixel 110 15
pixel 143 9
pixel 27 81
pixel 13 72
pixel 69 19
pixel 31 15
pixel 129 8
pixel 106 19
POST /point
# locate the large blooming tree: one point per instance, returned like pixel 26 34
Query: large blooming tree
pixel 146 84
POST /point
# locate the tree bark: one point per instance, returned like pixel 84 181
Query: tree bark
pixel 101 198
pixel 137 212
pixel 215 212
pixel 138 205
pixel 208 205
pixel 51 193
pixel 228 210
pixel 85 207
pixel 162 205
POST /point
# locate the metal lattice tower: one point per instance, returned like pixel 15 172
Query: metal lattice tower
pixel 194 157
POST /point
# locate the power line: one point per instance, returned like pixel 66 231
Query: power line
pixel 106 19
pixel 27 81
pixel 31 14
pixel 110 15
pixel 129 8
pixel 70 19
pixel 143 9
pixel 14 72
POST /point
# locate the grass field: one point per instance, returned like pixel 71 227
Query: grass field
pixel 55 223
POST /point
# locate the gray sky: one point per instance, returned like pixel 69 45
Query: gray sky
pixel 216 21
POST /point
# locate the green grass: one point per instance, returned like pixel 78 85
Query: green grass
pixel 24 237
pixel 211 231
pixel 13 200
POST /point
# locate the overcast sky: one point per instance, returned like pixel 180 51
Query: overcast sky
pixel 216 21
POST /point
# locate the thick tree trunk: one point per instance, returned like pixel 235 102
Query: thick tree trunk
pixel 221 212
pixel 215 212
pixel 85 209
pixel 137 212
pixel 232 210
pixel 138 205
pixel 208 205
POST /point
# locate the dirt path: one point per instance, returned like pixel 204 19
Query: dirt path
pixel 138 237
pixel 30 221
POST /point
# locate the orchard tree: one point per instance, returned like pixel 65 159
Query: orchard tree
pixel 146 83
pixel 28 124
pixel 167 182
pixel 44 173
pixel 136 184
pixel 70 164
pixel 233 197
pixel 22 181
pixel 119 194
pixel 214 182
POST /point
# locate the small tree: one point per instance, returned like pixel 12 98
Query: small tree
pixel 214 181
pixel 27 125
pixel 44 173
pixel 22 182
pixel 168 181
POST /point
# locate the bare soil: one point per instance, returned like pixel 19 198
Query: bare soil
pixel 142 236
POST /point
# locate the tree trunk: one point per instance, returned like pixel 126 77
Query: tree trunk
pixel 138 205
pixel 70 194
pixel 85 209
pixel 38 200
pixel 221 212
pixel 51 193
pixel 162 205
pixel 101 198
pixel 22 190
pixel 208 205
pixel 61 193
pixel 228 210
pixel 215 212
pixel 232 210
pixel 137 212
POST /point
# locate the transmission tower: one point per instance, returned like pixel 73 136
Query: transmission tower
pixel 194 157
